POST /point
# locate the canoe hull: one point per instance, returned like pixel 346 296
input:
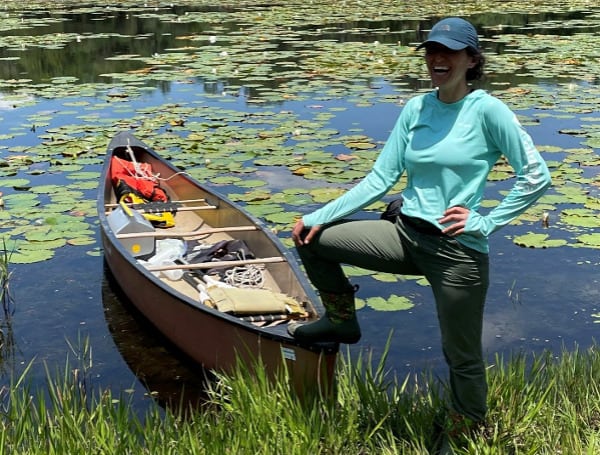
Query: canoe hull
pixel 216 340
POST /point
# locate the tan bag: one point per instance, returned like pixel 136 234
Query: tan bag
pixel 252 301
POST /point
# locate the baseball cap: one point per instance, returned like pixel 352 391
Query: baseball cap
pixel 454 33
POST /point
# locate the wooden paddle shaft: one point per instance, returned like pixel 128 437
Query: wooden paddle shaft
pixel 216 264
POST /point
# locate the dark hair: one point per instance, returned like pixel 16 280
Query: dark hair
pixel 476 73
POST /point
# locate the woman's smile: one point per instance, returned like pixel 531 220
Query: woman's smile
pixel 440 69
pixel 447 70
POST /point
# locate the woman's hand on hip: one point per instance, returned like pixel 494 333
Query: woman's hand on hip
pixel 457 217
pixel 301 235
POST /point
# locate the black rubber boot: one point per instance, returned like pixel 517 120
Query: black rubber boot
pixel 339 324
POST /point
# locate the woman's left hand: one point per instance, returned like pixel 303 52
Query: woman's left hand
pixel 457 216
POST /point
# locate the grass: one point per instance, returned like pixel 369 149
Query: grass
pixel 538 405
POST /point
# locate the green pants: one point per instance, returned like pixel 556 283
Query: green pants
pixel 459 278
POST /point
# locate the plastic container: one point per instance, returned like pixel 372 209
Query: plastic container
pixel 172 275
pixel 167 252
pixel 123 220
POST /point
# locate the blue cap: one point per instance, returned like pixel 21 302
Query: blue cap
pixel 454 33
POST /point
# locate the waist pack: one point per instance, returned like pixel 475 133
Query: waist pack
pixel 392 211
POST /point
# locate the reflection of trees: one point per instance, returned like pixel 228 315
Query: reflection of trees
pixel 88 39
pixel 411 31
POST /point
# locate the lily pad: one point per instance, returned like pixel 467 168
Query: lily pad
pixel 534 240
pixel 393 303
pixel 592 240
pixel 580 217
pixel 325 194
pixel 27 256
pixel 282 217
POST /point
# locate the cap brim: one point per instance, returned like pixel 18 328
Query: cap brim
pixel 449 43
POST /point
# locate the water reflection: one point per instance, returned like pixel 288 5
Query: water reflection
pixel 410 31
pixel 170 378
pixel 80 45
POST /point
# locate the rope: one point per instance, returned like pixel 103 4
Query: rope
pixel 140 174
pixel 245 276
pixel 250 276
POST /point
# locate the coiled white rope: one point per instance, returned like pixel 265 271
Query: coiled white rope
pixel 249 276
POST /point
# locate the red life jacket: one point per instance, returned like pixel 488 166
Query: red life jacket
pixel 126 180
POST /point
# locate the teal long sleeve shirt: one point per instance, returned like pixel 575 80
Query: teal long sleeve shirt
pixel 447 152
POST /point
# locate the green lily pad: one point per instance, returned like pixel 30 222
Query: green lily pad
pixel 592 240
pixel 260 210
pixel 385 277
pixel 360 145
pixel 325 194
pixel 580 217
pixel 31 256
pixel 282 217
pixel 14 183
pixel 393 303
pixel 533 240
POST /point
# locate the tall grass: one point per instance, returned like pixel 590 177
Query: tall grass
pixel 538 405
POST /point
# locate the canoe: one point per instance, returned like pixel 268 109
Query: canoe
pixel 219 321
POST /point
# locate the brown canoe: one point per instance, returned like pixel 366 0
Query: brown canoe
pixel 215 339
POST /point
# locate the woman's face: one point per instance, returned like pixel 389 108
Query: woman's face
pixel 448 68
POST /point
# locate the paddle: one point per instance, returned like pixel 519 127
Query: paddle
pixel 216 264
pixel 197 283
pixel 272 317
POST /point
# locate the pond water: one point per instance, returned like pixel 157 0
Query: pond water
pixel 74 77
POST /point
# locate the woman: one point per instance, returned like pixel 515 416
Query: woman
pixel 447 142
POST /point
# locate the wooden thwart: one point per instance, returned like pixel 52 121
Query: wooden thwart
pixel 185 201
pixel 216 264
pixel 133 235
